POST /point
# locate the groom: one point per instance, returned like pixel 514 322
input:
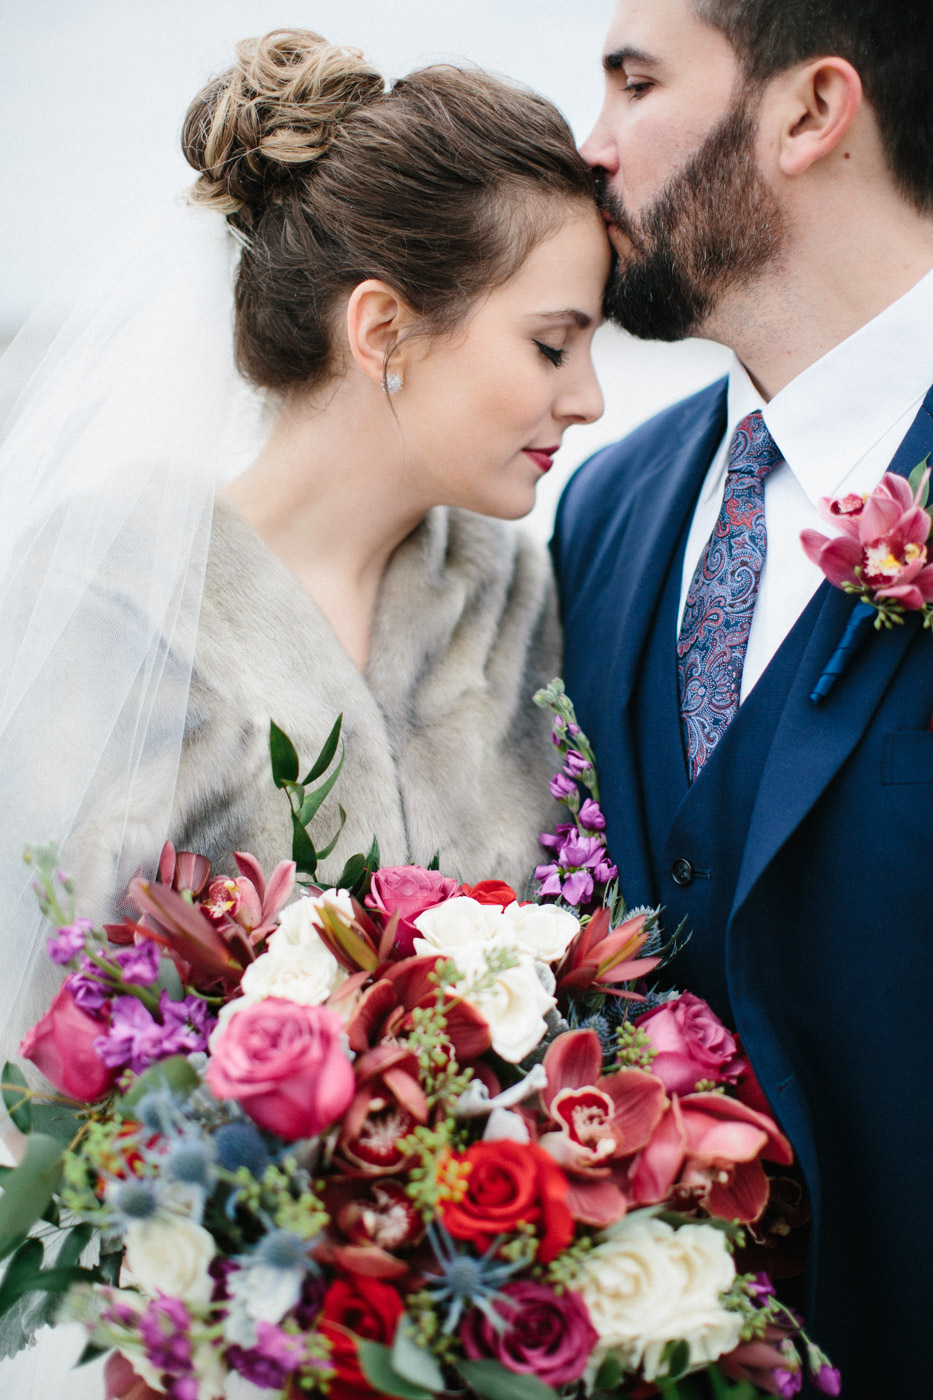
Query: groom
pixel 767 178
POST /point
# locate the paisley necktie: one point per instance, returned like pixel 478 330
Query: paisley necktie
pixel 721 599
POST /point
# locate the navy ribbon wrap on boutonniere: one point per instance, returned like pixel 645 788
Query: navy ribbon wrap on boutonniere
pixel 881 557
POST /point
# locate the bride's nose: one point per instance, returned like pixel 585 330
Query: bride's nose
pixel 582 402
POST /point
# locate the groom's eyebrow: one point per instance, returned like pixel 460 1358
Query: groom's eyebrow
pixel 617 59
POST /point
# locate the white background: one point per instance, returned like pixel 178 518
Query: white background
pixel 93 93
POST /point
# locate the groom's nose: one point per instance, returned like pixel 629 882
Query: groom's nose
pixel 600 150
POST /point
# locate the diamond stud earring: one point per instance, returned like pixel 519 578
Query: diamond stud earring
pixel 392 383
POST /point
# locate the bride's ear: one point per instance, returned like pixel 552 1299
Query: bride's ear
pixel 376 320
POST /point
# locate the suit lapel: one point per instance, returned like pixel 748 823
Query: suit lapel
pixel 811 743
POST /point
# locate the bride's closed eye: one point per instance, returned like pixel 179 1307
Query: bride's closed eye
pixel 551 352
pixel 637 90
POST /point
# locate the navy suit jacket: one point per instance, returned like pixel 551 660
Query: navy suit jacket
pixel 828 929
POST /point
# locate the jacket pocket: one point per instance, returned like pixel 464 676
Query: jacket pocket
pixel 907 757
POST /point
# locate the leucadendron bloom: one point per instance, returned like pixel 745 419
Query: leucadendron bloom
pixel 649 1284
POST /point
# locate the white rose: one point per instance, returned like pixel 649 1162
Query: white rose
pixel 458 923
pixel 649 1285
pixel 170 1254
pixel 541 930
pixel 515 1005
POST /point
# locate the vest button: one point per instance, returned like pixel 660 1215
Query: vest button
pixel 682 872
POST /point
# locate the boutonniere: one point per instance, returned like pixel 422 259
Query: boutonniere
pixel 880 557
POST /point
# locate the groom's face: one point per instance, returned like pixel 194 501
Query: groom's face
pixel 690 215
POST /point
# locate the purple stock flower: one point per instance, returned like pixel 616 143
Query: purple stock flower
pixel 591 816
pixel 760 1288
pixel 135 1038
pixel 164 1330
pixel 553 841
pixel 575 765
pixel 787 1382
pixel 280 1346
pixel 184 1388
pixel 69 941
pixel 828 1379
pixel 276 1355
pixel 140 963
pixel 562 787
pixel 577 887
pixel 89 987
pixel 581 851
pixel 187 1024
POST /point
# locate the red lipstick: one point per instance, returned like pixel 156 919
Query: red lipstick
pixel 541 456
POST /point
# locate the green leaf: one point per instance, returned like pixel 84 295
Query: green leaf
pixel 326 756
pixel 351 874
pixel 109 1266
pixel 55 1120
pixel 435 862
pixel 915 478
pixel 412 1362
pixel 372 856
pixel 303 853
pixel 174 1074
pixel 375 1362
pixel 75 1243
pixel 45 1281
pixel 90 1353
pixel 495 1382
pixel 283 755
pixel 609 1374
pixel 724 1389
pixel 314 799
pixel 677 1356
pixel 17 1104
pixel 325 852
pixel 28 1190
pixel 22 1268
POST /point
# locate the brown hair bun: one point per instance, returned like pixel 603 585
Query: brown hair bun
pixel 276 109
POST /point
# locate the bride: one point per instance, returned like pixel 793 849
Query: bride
pixel 420 273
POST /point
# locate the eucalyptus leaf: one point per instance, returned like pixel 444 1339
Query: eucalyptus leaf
pixel 326 756
pixel 169 981
pixel 57 1120
pixel 326 850
pixel 283 755
pixel 412 1362
pixel 496 1382
pixel 375 1362
pixel 174 1074
pixel 303 852
pixel 313 800
pixel 28 1190
pixel 17 1104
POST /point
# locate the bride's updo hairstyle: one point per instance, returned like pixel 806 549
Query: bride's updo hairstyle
pixel 439 186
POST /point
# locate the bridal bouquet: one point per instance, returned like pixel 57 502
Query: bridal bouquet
pixel 399 1137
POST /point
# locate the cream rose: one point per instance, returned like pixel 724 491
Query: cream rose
pixel 650 1284
pixel 458 923
pixel 515 1005
pixel 541 930
pixel 170 1254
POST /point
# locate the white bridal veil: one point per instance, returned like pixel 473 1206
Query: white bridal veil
pixel 118 428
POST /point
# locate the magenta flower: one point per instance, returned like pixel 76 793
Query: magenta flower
pixel 68 941
pixel 135 1038
pixel 575 765
pixel 139 964
pixel 591 816
pixel 536 1334
pixel 828 1380
pixel 164 1329
pixel 883 544
pixel 562 787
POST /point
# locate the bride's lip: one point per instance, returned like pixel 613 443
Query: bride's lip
pixel 541 456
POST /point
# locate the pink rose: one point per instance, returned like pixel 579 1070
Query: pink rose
pixel 692 1044
pixel 539 1334
pixel 408 889
pixel 285 1065
pixel 61 1045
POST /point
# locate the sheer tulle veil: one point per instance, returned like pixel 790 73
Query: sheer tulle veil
pixel 121 423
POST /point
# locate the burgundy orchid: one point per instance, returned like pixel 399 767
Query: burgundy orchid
pixel 882 547
pixel 600 1122
pixel 384 1009
pixel 388 1103
pixel 707 1147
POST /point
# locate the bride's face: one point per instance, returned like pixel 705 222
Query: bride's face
pixel 483 411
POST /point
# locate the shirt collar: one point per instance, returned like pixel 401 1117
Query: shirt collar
pixel 832 414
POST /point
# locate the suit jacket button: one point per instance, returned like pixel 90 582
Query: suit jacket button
pixel 682 872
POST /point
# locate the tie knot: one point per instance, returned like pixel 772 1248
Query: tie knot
pixel 753 451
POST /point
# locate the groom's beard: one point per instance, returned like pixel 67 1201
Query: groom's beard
pixel 713 226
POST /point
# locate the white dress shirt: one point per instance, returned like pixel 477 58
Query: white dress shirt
pixel 837 426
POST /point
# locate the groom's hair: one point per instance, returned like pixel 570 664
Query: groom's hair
pixel 888 42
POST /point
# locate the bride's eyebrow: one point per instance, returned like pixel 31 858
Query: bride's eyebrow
pixel 616 60
pixel 579 318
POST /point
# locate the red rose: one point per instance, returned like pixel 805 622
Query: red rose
pixel 408 890
pixel 61 1045
pixel 490 892
pixel 508 1183
pixel 366 1308
pixel 692 1044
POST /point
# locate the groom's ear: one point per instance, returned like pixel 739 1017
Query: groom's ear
pixel 819 102
pixel 376 320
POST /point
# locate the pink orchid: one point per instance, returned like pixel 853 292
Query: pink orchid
pixel 709 1146
pixel 600 1121
pixel 882 547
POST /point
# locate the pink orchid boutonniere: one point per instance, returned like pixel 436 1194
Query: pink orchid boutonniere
pixel 881 557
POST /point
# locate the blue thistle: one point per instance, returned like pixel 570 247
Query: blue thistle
pixel 241 1145
pixel 134 1200
pixel 190 1162
pixel 465 1281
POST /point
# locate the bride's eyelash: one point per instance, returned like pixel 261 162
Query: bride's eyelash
pixel 551 352
pixel 636 90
